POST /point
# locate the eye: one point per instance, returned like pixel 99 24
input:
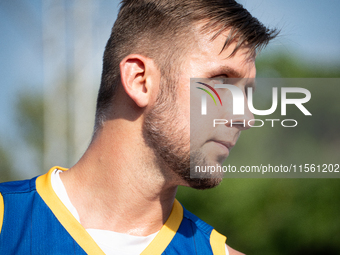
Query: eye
pixel 221 76
pixel 218 79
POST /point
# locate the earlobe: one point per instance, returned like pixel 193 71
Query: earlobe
pixel 136 71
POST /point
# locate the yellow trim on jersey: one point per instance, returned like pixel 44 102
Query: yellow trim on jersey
pixel 75 229
pixel 167 232
pixel 83 238
pixel 2 209
pixel 217 242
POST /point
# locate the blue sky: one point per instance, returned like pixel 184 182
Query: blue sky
pixel 310 31
pixel 310 28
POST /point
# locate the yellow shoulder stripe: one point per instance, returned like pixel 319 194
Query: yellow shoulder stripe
pixel 2 209
pixel 167 232
pixel 75 229
pixel 217 242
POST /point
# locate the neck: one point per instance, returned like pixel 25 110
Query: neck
pixel 115 186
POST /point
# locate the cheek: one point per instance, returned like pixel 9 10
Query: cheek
pixel 201 126
pixel 225 111
pixel 183 101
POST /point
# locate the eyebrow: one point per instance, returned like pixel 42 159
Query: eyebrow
pixel 230 72
pixel 234 74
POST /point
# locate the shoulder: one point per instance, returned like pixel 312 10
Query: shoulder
pixel 205 236
pixel 202 226
pixel 17 186
pixel 14 195
pixel 217 240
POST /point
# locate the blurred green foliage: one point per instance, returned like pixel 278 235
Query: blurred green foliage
pixel 30 120
pixel 29 117
pixel 281 216
pixel 6 168
pixel 286 65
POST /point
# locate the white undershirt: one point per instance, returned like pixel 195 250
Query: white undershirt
pixel 112 243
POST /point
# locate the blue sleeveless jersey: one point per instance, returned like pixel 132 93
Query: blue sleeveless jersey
pixel 33 220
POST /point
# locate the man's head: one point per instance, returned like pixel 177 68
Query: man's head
pixel 168 32
pixel 164 30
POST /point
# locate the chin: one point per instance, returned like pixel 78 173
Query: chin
pixel 201 180
pixel 204 183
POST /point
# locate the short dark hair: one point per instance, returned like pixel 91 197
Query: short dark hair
pixel 159 29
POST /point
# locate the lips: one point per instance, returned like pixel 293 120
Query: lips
pixel 224 146
pixel 228 145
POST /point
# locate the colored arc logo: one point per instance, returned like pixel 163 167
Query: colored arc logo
pixel 212 89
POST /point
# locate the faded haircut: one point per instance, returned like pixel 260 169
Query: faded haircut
pixel 163 30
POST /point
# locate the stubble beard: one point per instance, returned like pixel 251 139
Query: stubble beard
pixel 165 134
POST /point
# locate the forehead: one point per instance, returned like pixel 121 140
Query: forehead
pixel 207 53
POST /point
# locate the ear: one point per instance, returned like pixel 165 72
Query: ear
pixel 140 79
